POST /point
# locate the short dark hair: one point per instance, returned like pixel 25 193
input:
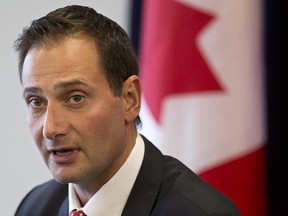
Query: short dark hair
pixel 117 56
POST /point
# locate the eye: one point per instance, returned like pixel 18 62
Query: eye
pixel 35 102
pixel 76 99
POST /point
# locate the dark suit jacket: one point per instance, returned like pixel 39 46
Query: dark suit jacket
pixel 164 187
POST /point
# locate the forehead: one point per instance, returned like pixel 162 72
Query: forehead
pixel 72 57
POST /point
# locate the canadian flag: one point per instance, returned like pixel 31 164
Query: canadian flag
pixel 203 92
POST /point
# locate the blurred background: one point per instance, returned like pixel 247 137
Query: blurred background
pixel 214 93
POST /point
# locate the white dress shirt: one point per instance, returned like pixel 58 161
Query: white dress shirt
pixel 111 198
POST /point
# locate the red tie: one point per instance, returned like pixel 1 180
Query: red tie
pixel 77 213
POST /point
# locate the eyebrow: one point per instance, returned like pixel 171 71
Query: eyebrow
pixel 60 85
pixel 75 82
pixel 31 90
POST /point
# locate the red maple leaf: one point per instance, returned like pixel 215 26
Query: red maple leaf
pixel 170 61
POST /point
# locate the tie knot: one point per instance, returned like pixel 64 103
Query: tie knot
pixel 77 213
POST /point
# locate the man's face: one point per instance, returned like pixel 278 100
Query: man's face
pixel 77 123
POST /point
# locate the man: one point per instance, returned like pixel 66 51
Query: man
pixel 80 81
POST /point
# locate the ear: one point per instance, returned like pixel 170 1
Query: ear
pixel 131 94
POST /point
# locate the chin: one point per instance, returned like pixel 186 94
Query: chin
pixel 63 177
pixel 64 180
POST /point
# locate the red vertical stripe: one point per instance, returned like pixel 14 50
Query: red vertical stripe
pixel 244 181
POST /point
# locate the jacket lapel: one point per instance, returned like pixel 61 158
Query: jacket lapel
pixel 147 184
pixel 64 209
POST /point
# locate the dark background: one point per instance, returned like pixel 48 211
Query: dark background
pixel 275 62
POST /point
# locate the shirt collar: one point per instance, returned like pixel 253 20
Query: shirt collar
pixel 111 198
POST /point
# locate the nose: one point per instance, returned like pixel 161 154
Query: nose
pixel 55 124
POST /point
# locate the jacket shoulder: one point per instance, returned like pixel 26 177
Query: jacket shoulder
pixel 186 192
pixel 44 199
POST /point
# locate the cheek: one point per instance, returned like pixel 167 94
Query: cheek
pixel 94 124
pixel 103 139
pixel 103 125
pixel 35 127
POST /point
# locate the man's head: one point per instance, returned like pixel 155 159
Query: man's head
pixel 117 56
pixel 79 77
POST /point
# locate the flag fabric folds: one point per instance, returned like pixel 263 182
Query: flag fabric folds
pixel 203 98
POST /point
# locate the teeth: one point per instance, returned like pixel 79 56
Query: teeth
pixel 63 152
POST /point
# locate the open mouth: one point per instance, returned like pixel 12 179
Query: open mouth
pixel 64 155
pixel 62 152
